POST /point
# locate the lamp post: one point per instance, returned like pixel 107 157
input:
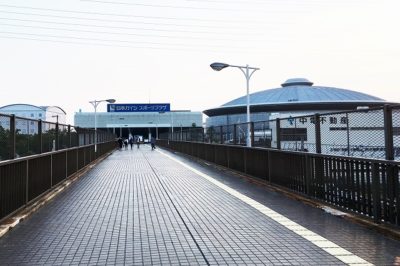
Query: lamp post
pixel 95 103
pixel 55 141
pixel 248 72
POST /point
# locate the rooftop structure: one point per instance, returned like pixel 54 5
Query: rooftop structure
pixel 298 94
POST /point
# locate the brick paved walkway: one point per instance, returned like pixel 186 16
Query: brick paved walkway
pixel 140 207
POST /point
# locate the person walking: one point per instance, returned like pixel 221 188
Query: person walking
pixel 138 142
pixel 131 143
pixel 120 142
pixel 153 143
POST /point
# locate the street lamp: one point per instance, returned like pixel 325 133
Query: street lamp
pixel 95 103
pixel 247 73
pixel 54 140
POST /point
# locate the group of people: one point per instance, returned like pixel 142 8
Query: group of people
pixel 123 143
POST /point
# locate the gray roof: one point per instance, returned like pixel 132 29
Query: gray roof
pixel 302 91
pixel 298 94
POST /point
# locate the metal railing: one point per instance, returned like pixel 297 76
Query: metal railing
pixel 369 133
pixel 36 155
pixel 21 137
pixel 364 186
pixel 24 179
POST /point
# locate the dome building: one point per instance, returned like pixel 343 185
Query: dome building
pixel 341 133
pixel 296 96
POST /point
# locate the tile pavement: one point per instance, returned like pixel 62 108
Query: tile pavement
pixel 139 207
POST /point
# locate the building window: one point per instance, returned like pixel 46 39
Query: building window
pixel 40 115
pixel 32 115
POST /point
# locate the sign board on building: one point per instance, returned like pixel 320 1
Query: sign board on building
pixel 138 107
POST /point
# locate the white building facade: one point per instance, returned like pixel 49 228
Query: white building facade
pixel 139 123
pixel 31 113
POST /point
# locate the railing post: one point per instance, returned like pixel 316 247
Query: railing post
pixel 376 192
pixel 51 170
pixel 27 182
pixel 388 126
pixel 269 166
pixel 69 137
pixel 348 134
pixel 234 134
pixel 245 151
pixel 40 136
pixel 221 134
pixel 278 133
pixel 251 134
pixel 12 150
pixel 317 133
pixel 307 174
pixel 57 136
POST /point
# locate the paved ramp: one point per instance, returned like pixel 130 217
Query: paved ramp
pixel 143 207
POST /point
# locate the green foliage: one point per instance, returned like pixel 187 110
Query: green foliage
pixel 4 143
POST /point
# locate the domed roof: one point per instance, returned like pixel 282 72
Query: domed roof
pixel 301 90
pixel 299 94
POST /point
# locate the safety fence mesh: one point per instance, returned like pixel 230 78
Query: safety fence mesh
pixel 21 136
pixel 396 132
pixel 364 133
pixel 4 137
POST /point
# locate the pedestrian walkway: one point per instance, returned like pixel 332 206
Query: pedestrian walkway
pixel 144 207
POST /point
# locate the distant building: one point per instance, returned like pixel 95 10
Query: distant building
pixel 358 134
pixel 140 120
pixel 296 96
pixel 45 113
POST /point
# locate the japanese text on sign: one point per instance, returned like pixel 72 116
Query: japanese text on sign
pixel 151 107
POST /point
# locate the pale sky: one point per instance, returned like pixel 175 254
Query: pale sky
pixel 69 52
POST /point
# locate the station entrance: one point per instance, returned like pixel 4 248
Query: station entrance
pixel 145 134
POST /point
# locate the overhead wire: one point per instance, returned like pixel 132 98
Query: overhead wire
pixel 115 33
pixel 241 10
pixel 91 13
pixel 220 36
pixel 123 21
pixel 163 48
pixel 120 27
pixel 233 21
pixel 170 6
pixel 115 40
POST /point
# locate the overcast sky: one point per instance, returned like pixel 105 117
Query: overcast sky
pixel 69 52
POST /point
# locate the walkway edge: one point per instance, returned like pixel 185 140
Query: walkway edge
pixel 10 222
pixel 384 229
pixel 331 248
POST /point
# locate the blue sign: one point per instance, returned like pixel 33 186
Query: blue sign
pixel 138 107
